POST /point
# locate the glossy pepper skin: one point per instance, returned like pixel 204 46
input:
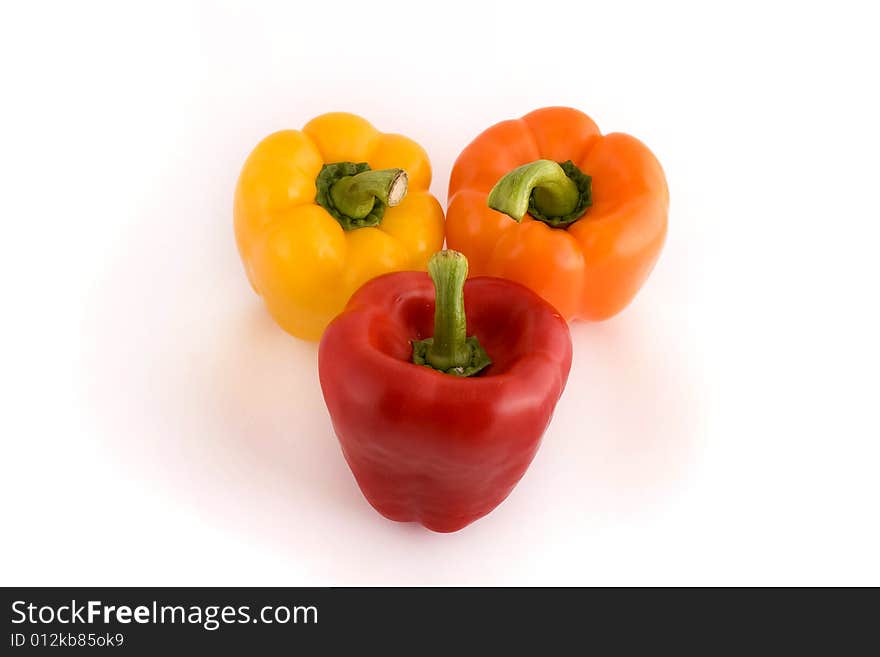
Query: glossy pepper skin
pixel 424 445
pixel 590 269
pixel 300 258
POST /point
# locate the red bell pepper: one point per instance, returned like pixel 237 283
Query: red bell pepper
pixel 439 430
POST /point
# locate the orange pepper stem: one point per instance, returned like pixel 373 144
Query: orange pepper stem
pixel 355 195
pixel 555 193
pixel 450 350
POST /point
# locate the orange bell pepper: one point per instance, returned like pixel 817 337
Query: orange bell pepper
pixel 590 210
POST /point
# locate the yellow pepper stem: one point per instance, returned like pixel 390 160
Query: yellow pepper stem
pixel 355 195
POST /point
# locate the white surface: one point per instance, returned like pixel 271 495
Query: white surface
pixel 157 428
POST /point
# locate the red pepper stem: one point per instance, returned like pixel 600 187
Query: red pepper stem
pixel 450 350
pixel 448 270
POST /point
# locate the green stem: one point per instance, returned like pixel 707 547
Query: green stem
pixel 450 350
pixel 355 195
pixel 557 194
pixel 448 270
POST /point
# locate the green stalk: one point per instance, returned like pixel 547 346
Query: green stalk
pixel 450 350
pixel 355 195
pixel 557 194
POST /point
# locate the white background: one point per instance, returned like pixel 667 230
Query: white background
pixel 157 428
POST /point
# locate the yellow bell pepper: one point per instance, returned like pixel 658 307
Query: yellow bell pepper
pixel 321 211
